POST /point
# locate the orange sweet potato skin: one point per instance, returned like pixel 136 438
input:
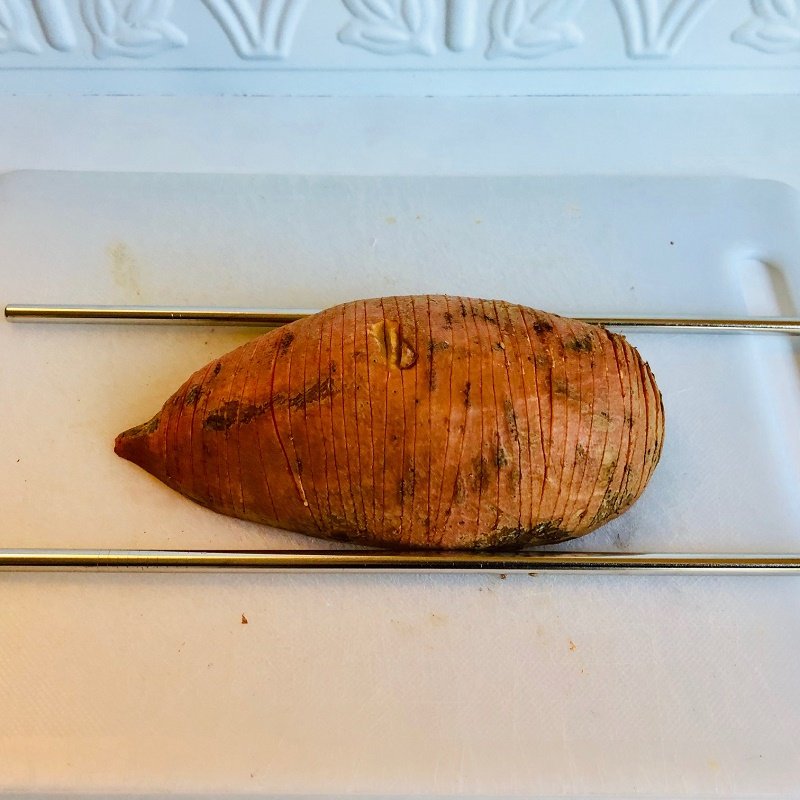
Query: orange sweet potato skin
pixel 415 422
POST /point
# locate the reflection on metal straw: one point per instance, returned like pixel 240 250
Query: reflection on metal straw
pixel 386 561
pixel 273 317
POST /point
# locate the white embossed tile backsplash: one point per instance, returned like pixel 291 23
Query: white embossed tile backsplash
pixel 462 47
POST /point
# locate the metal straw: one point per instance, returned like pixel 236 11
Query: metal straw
pixel 387 561
pixel 274 317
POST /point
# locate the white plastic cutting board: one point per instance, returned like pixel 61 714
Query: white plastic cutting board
pixel 396 683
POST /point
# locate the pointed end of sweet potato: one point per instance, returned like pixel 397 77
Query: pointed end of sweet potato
pixel 144 446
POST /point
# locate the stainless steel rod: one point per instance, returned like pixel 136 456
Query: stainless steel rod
pixel 385 561
pixel 263 317
pixel 273 317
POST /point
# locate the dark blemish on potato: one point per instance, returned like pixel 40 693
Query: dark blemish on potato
pixel 605 415
pixel 541 325
pixel 312 394
pixel 500 457
pixel 462 309
pixel 217 368
pixel 606 511
pixel 233 412
pixel 460 489
pixel 511 419
pixel 515 537
pixel 285 342
pixel 498 346
pixel 467 389
pixel 433 347
pixel 408 482
pixel 145 429
pixel 249 412
pixel 514 480
pixel 580 452
pixel 245 621
pixel 448 320
pixel 561 387
pixel 193 395
pixel 431 367
pixel 480 473
pixel 547 533
pixel 584 344
pixel 224 417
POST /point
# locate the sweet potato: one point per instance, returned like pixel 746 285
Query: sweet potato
pixel 415 422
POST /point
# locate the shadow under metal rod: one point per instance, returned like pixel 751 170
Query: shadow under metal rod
pixel 275 317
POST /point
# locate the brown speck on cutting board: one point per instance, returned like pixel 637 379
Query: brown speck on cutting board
pixel 572 646
pixel 245 621
pixel 503 576
pixel 391 220
pixel 124 269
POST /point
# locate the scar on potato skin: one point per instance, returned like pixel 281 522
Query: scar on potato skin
pixel 394 348
pixel 233 412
